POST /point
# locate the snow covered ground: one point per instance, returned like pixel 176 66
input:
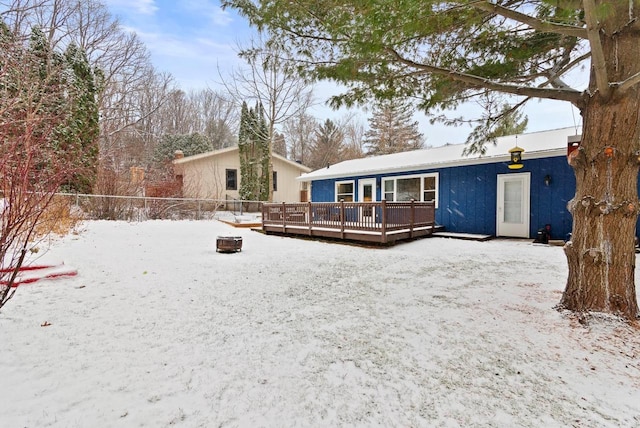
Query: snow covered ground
pixel 158 329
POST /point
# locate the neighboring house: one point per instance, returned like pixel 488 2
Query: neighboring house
pixel 473 194
pixel 216 175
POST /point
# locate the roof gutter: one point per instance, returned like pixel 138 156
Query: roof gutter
pixel 445 164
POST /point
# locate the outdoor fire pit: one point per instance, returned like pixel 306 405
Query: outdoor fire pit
pixel 229 244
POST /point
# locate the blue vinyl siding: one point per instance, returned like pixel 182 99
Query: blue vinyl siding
pixel 323 191
pixel 468 195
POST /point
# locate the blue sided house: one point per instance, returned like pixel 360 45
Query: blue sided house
pixel 487 194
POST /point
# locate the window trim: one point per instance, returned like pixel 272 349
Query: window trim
pixel 353 189
pixel 395 178
pixel 226 178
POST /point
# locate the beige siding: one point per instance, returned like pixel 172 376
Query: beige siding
pixel 204 176
pixel 288 187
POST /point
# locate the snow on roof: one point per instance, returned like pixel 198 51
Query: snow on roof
pixel 214 153
pixel 536 145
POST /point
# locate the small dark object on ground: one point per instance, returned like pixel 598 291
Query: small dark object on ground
pixel 229 244
pixel 544 235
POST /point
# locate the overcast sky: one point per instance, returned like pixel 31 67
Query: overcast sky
pixel 191 39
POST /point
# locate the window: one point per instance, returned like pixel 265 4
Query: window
pixel 232 179
pixel 344 191
pixel 408 189
pixel 389 190
pixel 423 188
pixel 275 180
pixel 429 189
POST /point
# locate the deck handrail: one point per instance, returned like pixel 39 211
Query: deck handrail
pixel 381 217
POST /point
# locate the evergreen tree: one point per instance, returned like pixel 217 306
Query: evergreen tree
pixel 279 144
pixel 84 125
pixel 392 130
pixel 68 85
pixel 328 145
pixel 47 132
pixel 245 150
pixel 189 144
pixel 253 147
pixel 499 119
pixel 264 152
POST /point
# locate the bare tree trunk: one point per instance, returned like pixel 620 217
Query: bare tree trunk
pixel 601 253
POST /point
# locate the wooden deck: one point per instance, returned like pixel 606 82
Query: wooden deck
pixel 373 222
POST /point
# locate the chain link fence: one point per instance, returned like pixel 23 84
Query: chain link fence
pixel 141 208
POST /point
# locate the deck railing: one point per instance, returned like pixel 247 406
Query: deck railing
pixel 369 221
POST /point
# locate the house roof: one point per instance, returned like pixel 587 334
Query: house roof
pixel 536 145
pixel 214 153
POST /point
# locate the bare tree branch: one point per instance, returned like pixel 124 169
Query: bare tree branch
pixel 627 84
pixel 597 54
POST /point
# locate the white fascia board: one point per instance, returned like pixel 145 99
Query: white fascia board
pixel 433 165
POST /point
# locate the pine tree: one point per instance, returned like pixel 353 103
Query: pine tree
pixel 328 145
pixel 253 146
pixel 279 144
pixel 189 144
pixel 68 86
pixel 47 136
pixel 83 126
pixel 264 152
pixel 498 120
pixel 391 130
pixel 245 150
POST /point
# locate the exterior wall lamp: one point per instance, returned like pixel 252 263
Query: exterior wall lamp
pixel 547 180
pixel 516 158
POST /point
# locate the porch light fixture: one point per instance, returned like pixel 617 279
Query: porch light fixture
pixel 547 180
pixel 516 158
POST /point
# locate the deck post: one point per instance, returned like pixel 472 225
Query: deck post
pixel 412 217
pixel 342 219
pixel 383 221
pixel 284 219
pixel 309 216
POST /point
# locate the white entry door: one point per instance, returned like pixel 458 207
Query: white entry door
pixel 513 205
pixel 367 193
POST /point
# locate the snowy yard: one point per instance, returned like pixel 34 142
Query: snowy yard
pixel 157 329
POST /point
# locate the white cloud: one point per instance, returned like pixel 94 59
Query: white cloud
pixel 142 7
pixel 212 11
pixel 221 17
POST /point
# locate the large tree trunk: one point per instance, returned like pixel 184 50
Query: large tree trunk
pixel 601 253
